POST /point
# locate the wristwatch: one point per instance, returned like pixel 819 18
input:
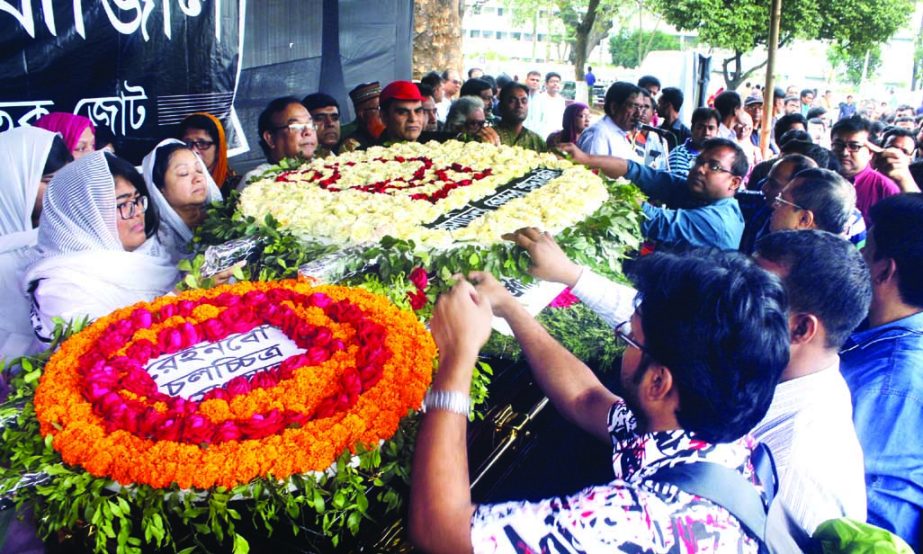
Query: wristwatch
pixel 450 401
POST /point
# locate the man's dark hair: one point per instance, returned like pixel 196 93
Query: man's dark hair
pixel 740 166
pixel 778 94
pixel 824 276
pixel 425 90
pixel 58 156
pixel 508 89
pixel 824 157
pixel 799 162
pixel 805 92
pixel 829 196
pixel 851 125
pixel 432 79
pixel 649 81
pixel 119 167
pixel 472 70
pixel 785 123
pixel 617 94
pixel 319 100
pixel 898 132
pixel 816 112
pixel 793 136
pixel 897 229
pixel 720 324
pixel 473 87
pixel 673 96
pixel 489 79
pixel 445 74
pixel 551 74
pixel 727 103
pixel 264 123
pixel 704 114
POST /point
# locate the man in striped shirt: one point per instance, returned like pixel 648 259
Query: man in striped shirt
pixel 704 126
pixel 809 426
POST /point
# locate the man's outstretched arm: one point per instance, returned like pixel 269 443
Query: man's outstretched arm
pixel 570 385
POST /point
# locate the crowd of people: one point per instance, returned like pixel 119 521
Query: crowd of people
pixel 778 297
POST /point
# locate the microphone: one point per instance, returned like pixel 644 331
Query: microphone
pixel 651 128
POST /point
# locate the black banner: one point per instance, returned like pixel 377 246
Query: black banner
pixel 137 67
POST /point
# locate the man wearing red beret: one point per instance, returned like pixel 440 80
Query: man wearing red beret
pixel 403 115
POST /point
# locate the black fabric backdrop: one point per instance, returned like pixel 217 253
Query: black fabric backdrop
pixel 139 68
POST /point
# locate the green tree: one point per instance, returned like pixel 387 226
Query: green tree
pixel 628 48
pixel 852 67
pixel 743 25
pixel 586 22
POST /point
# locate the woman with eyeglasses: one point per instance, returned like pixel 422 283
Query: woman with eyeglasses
pixel 467 118
pixel 204 133
pixel 180 186
pixel 29 158
pixel 96 249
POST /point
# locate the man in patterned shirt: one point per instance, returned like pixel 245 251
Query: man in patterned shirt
pixel 707 343
pixel 704 126
pixel 514 108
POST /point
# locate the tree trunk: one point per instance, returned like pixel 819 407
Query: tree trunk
pixel 582 42
pixel 437 41
pixel 733 78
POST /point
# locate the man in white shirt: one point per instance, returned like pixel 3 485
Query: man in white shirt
pixel 610 135
pixel 809 426
pixel 551 106
pixel 728 104
pixel 533 121
pixel 451 84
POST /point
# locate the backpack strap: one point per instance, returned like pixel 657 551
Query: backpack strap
pixel 729 489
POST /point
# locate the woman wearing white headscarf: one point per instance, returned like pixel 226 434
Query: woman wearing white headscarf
pixel 95 249
pixel 29 157
pixel 180 186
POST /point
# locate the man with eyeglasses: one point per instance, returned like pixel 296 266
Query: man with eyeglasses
pixel 695 377
pixel 699 210
pixel 451 84
pixel 325 111
pixel 611 135
pixel 850 144
pixel 286 130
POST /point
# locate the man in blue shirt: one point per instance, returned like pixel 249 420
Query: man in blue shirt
pixel 699 210
pixel 883 366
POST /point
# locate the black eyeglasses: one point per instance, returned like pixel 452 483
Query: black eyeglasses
pixel 200 144
pixel 839 146
pixel 623 336
pixel 712 166
pixel 476 124
pixel 129 209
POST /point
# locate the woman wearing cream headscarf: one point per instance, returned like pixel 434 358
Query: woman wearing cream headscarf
pixel 29 157
pixel 96 252
pixel 181 187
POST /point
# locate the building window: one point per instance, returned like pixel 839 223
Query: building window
pixel 517 36
pixel 501 35
pixel 475 33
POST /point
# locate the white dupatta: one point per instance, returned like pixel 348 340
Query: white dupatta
pixel 23 154
pixel 174 234
pixel 80 267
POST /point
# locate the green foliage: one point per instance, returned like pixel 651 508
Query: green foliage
pixel 744 25
pixel 594 344
pixel 850 66
pixel 628 48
